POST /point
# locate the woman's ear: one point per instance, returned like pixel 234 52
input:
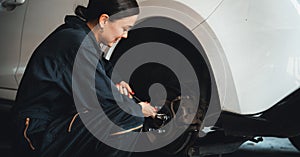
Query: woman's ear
pixel 103 20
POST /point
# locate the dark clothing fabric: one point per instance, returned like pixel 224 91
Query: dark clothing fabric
pixel 53 80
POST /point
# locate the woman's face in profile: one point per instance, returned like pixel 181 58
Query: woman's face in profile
pixel 115 30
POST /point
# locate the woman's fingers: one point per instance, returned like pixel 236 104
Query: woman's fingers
pixel 128 88
pixel 148 110
pixel 120 88
pixel 125 89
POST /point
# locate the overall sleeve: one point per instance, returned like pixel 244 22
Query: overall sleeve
pixel 94 91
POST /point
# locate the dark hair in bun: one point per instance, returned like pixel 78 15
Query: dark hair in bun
pixel 116 9
pixel 81 11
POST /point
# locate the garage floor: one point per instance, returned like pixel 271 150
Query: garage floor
pixel 270 147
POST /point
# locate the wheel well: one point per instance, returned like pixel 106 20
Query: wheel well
pixel 172 33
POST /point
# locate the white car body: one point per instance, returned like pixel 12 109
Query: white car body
pixel 252 45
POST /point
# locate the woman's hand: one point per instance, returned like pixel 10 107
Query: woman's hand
pixel 148 110
pixel 125 89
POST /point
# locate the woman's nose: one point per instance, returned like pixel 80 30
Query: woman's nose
pixel 125 35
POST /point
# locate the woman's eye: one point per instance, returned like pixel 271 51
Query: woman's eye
pixel 126 29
